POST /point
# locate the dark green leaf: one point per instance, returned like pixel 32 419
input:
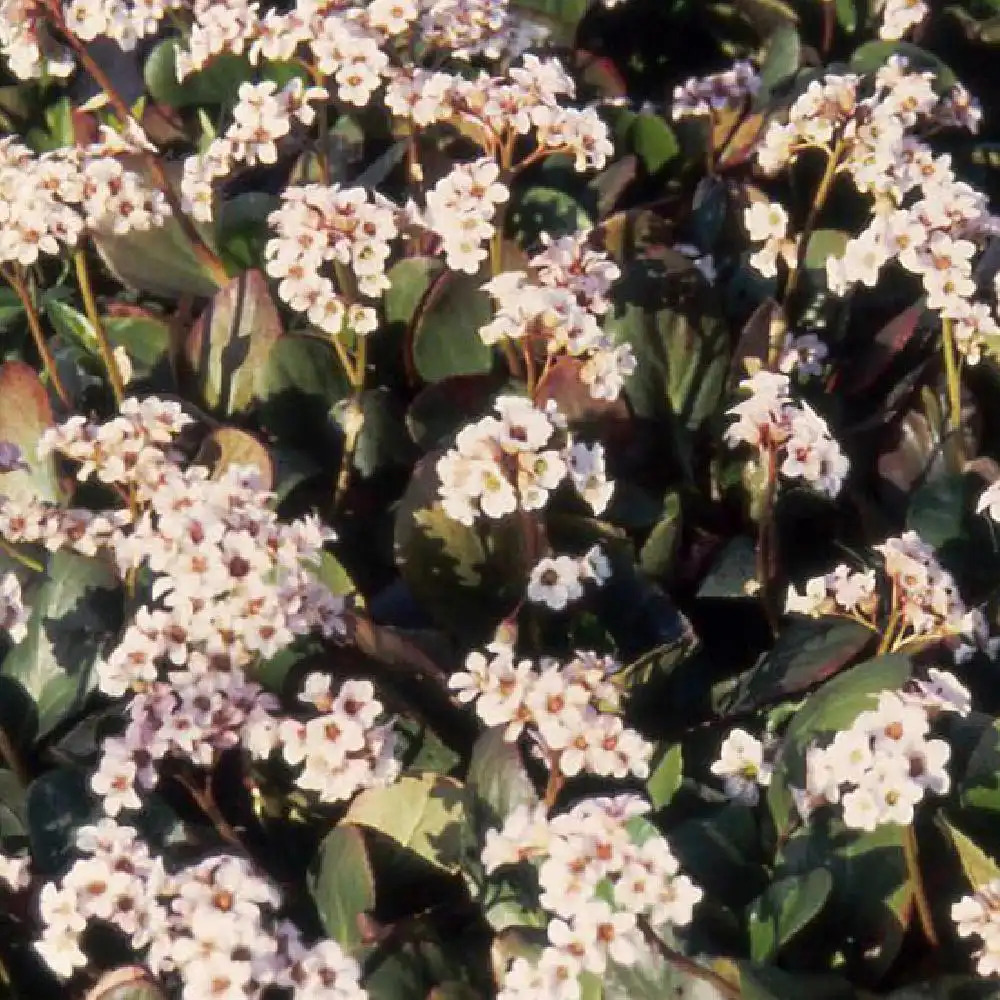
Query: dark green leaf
pixel 469 578
pixel 74 611
pixel 784 909
pixel 446 337
pixel 58 803
pixel 496 782
pixel 301 382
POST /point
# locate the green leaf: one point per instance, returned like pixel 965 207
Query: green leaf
pixel 218 83
pixel 666 777
pixel 681 344
pixel 446 337
pixel 425 815
pixel 443 408
pixel 159 261
pixel 300 384
pixel 733 573
pixel 543 209
pixel 937 509
pixel 807 652
pixel 468 578
pixel 145 339
pixel 824 244
pixel 496 782
pixel 873 55
pixel 57 804
pixel 242 231
pixel 74 610
pixel 24 413
pixel 72 326
pixel 342 885
pixel 782 56
pixel 229 345
pixel 847 15
pixel 659 551
pixel 785 908
pixel 383 440
pixel 979 868
pixel 653 141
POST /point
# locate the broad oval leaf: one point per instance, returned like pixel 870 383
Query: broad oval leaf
pixel 229 345
pixel 423 814
pixel 74 610
pixel 342 885
pixel 25 412
pixel 469 578
pixel 785 908
pixel 446 337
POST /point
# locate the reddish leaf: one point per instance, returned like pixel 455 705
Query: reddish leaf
pixel 24 413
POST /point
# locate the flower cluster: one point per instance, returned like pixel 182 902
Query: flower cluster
pixel 231 585
pixel 341 750
pixel 460 209
pixel 319 227
pixel 602 869
pixel 924 218
pixel 744 767
pixel 925 604
pixel 979 915
pixel 558 581
pixel 572 710
pixel 263 117
pixel 48 201
pixel 790 435
pixel 707 95
pixel 767 223
pixel 526 101
pixel 880 769
pixel 500 465
pixel 213 925
pixel 558 307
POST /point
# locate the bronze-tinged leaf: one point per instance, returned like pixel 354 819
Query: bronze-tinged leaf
pixel 467 578
pixel 226 350
pixel 25 412
pixel 130 982
pixel 228 446
pixel 563 384
pixel 755 339
pixel 734 140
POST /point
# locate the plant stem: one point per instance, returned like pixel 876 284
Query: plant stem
pixel 208 258
pixel 20 557
pixel 954 382
pixel 765 542
pixel 819 200
pixel 38 334
pixel 555 784
pixel 919 895
pixel 10 756
pixel 354 420
pixel 90 307
pixel 687 965
pixel 205 800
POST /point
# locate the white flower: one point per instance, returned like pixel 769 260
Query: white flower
pixel 741 763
